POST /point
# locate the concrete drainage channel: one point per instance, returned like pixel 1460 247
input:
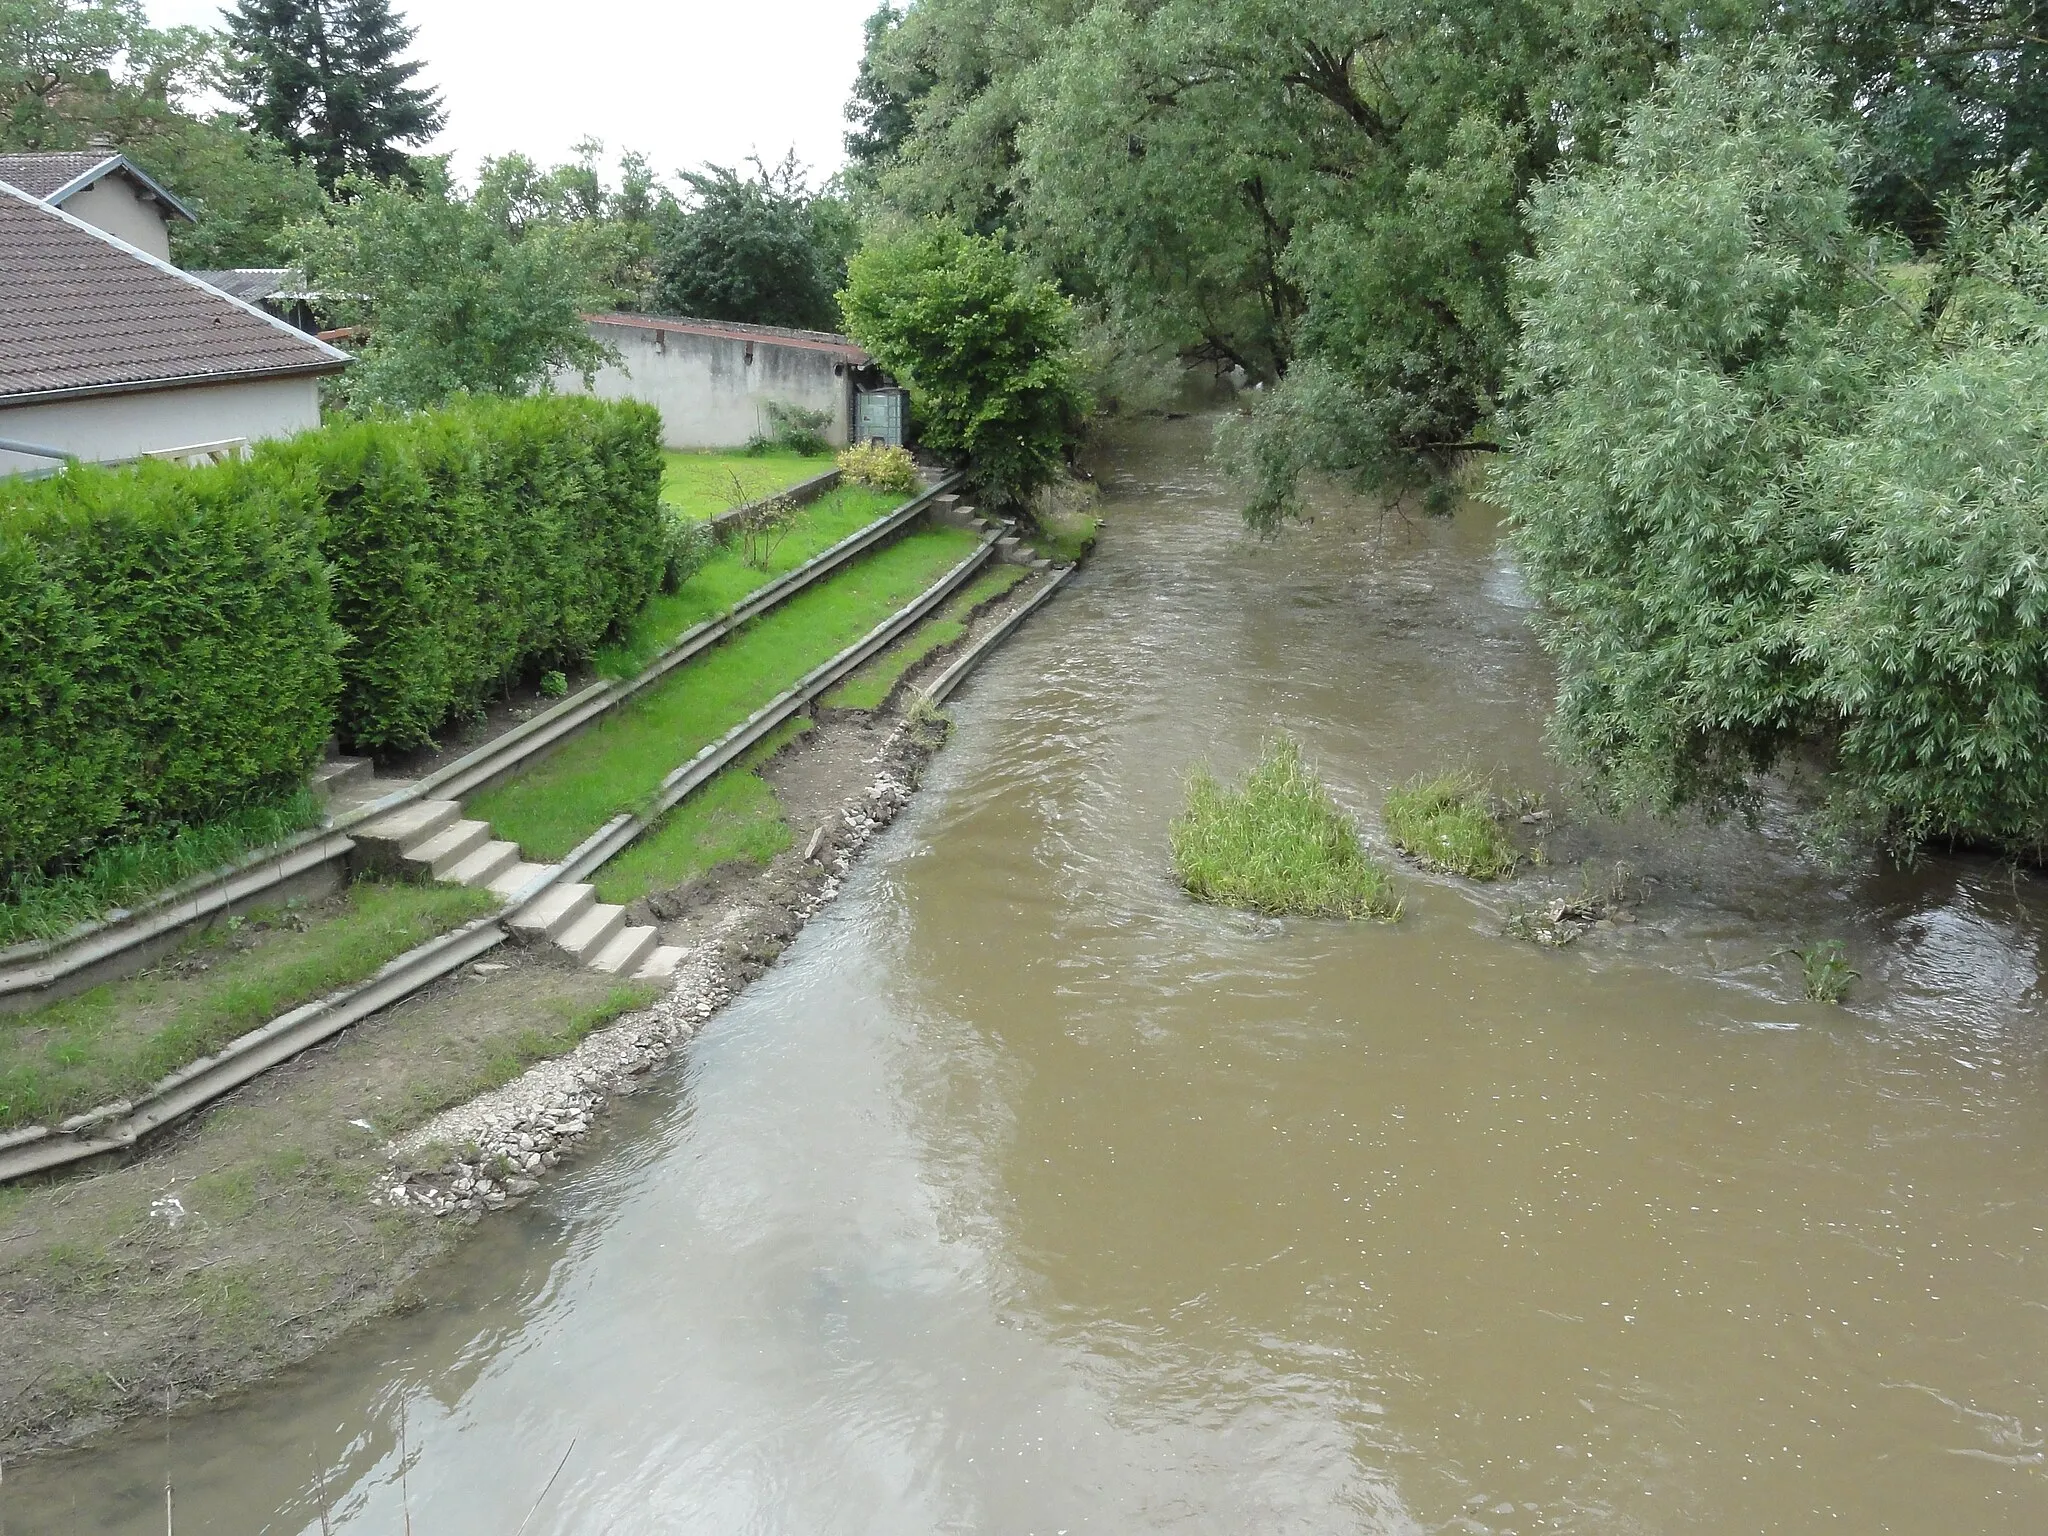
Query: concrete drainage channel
pixel 551 902
pixel 40 972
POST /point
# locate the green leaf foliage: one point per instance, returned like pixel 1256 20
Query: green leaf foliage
pixel 453 297
pixel 986 350
pixel 1782 497
pixel 166 652
pixel 477 544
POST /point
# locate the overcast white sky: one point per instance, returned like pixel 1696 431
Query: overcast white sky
pixel 684 83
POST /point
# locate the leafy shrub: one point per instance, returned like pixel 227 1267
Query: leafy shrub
pixel 1447 822
pixel 1784 497
pixel 166 653
pixel 879 466
pixel 987 352
pixel 687 543
pixel 1279 845
pixel 473 545
pixel 792 429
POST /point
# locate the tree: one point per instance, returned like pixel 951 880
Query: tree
pixel 763 249
pixel 326 78
pixel 1779 492
pixel 450 297
pixel 987 353
pixel 883 95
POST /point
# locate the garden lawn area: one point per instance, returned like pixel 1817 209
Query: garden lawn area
pixel 870 687
pixel 701 484
pixel 734 817
pixel 622 760
pixel 726 578
pixel 116 1040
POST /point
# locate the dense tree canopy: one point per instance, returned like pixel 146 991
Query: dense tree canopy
pixel 986 350
pixel 1780 493
pixel 760 248
pixel 452 293
pixel 328 80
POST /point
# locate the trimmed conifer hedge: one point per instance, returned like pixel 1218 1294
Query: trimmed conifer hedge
pixel 175 642
pixel 475 544
pixel 166 651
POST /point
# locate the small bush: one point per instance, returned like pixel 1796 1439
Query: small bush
pixel 166 655
pixel 1280 845
pixel 1448 823
pixel 880 467
pixel 687 547
pixel 791 429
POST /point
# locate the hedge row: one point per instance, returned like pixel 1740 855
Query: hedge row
pixel 475 544
pixel 174 642
pixel 165 650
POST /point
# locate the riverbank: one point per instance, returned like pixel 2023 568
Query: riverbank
pixel 313 1200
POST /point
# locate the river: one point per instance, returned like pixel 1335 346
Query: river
pixel 1026 1196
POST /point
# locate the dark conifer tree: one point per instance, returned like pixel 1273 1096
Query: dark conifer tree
pixel 328 79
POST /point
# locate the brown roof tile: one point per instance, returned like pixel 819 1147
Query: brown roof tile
pixel 43 172
pixel 81 313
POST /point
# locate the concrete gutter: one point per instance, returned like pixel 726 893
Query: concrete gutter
pixel 40 971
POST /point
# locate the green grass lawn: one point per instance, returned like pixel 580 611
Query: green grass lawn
pixel 734 817
pixel 727 578
pixel 870 687
pixel 622 760
pixel 701 484
pixel 116 1040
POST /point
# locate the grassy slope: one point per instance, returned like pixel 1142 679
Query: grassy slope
pixel 870 687
pixel 735 817
pixel 116 1040
pixel 623 759
pixel 727 578
pixel 701 484
pixel 102 1302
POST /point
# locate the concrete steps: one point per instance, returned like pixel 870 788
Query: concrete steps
pixel 339 774
pixel 432 839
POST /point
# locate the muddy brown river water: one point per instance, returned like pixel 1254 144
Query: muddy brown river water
pixel 1026 1196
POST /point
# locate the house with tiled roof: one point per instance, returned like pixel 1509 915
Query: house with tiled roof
pixel 104 188
pixel 108 352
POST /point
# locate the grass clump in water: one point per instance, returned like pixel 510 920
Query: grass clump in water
pixel 1448 823
pixel 1279 845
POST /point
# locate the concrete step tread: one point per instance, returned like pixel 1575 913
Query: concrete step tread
pixel 516 876
pixel 556 909
pixel 629 946
pixel 340 770
pixel 409 823
pixel 661 963
pixel 587 936
pixel 449 846
pixel 483 864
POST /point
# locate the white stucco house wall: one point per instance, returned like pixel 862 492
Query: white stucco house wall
pixel 105 189
pixel 108 352
pixel 712 379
